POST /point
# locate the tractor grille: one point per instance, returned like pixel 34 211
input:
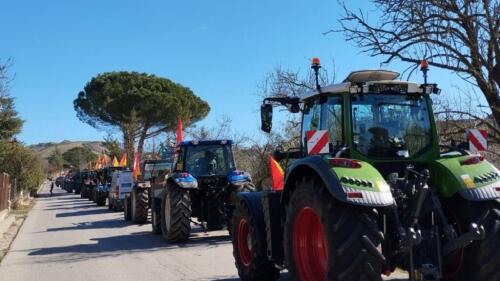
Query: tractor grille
pixel 212 182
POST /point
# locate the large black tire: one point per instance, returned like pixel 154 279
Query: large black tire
pixel 139 200
pixel 100 200
pixel 176 214
pixel 252 262
pixel 215 210
pixel 156 215
pixel 479 261
pixel 231 203
pixel 328 240
pixel 127 212
pixel 90 194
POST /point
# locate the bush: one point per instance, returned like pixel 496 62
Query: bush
pixel 22 164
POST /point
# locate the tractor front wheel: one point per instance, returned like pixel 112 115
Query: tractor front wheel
pixel 127 213
pixel 176 215
pixel 156 215
pixel 249 246
pixel 215 210
pixel 328 240
pixel 100 200
pixel 480 261
pixel 139 201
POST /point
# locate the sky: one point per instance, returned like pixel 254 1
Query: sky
pixel 221 49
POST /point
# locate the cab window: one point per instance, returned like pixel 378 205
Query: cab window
pixel 332 120
pixel 311 118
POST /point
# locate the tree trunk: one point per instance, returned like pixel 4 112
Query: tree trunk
pixel 128 143
pixel 496 74
pixel 142 139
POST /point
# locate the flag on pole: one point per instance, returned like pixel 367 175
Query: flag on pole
pixel 123 160
pixel 115 162
pixel 179 131
pixel 277 174
pixel 98 163
pixel 137 168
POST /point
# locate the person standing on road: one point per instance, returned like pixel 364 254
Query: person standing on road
pixel 51 187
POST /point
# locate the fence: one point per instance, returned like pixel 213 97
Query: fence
pixel 4 191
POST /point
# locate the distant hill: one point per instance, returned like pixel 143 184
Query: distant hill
pixel 44 150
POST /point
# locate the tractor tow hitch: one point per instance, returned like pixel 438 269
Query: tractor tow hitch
pixel 203 225
pixel 476 233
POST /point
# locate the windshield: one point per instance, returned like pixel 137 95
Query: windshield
pixel 202 160
pixel 390 126
pixel 153 169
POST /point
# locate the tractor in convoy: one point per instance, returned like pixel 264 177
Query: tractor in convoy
pixel 122 182
pixel 203 185
pixel 137 202
pixel 78 182
pixel 103 184
pixel 369 190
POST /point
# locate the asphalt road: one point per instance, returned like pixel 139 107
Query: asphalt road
pixel 68 238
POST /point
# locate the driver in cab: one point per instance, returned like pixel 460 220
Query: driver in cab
pixel 208 163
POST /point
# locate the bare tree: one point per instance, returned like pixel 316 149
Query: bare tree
pixel 293 83
pixel 462 36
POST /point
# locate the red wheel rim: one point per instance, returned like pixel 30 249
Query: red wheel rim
pixel 244 243
pixel 310 249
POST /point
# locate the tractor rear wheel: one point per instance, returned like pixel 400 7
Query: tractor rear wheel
pixel 156 215
pixel 139 199
pixel 249 246
pixel 100 200
pixel 127 213
pixel 176 214
pixel 328 240
pixel 480 261
pixel 215 210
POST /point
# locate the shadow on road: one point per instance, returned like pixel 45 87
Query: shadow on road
pixel 47 195
pixel 283 277
pixel 111 223
pixel 142 241
pixel 135 242
pixel 92 211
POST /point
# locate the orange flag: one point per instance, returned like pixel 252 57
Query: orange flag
pixel 137 168
pixel 123 160
pixel 98 163
pixel 179 131
pixel 115 162
pixel 277 174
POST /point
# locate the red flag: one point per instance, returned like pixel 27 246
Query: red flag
pixel 277 174
pixel 179 131
pixel 137 168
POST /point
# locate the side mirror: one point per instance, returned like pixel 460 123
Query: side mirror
pixel 266 117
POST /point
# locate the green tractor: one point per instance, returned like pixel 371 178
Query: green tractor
pixel 371 190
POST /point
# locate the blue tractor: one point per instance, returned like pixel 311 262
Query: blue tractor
pixel 203 185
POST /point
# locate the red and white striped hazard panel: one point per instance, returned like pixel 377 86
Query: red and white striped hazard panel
pixel 477 140
pixel 317 142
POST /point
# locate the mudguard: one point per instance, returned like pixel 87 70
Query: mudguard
pixel 238 178
pixel 184 180
pixel 365 183
pixel 477 181
pixel 253 200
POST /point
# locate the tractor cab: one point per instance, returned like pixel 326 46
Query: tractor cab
pixel 206 158
pixel 371 116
